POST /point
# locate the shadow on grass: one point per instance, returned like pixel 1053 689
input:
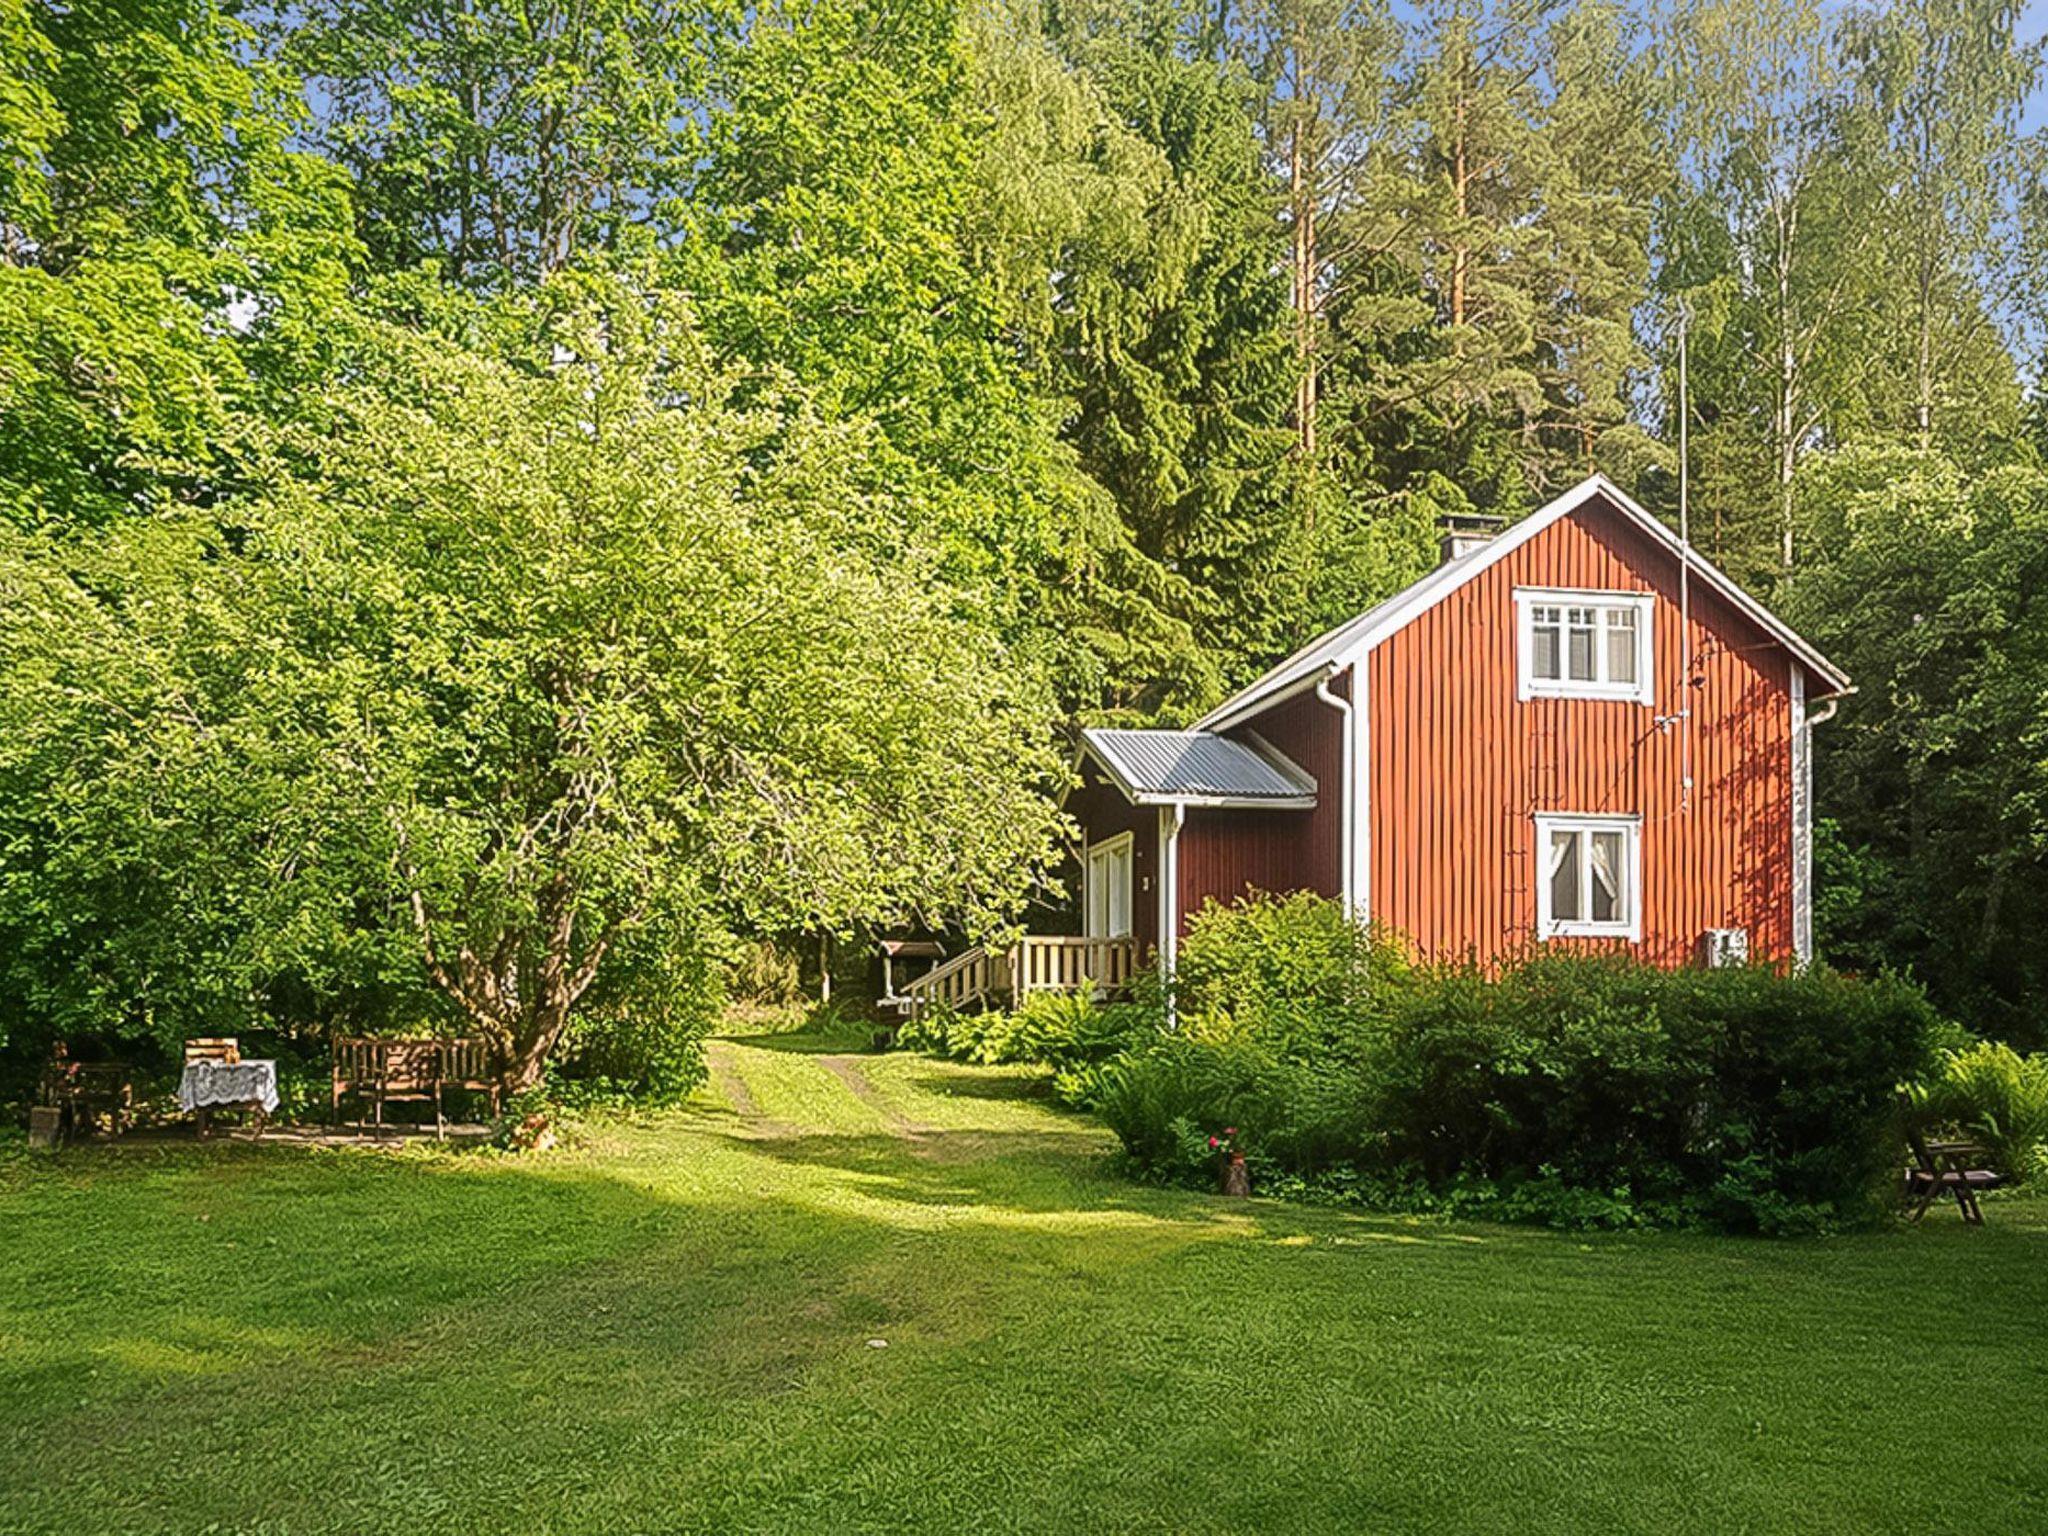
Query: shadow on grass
pixel 680 1317
pixel 807 1041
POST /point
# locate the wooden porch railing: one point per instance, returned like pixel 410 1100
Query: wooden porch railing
pixel 959 981
pixel 1035 963
pixel 1049 964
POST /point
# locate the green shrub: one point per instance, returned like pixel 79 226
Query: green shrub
pixel 1293 974
pixel 1575 1090
pixel 762 971
pixel 2000 1098
pixel 1740 1097
pixel 1067 1031
pixel 651 1048
pixel 1165 1101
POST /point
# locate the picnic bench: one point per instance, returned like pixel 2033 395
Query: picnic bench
pixel 1947 1168
pixel 379 1072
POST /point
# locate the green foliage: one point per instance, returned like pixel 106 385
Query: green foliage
pixel 1567 1088
pixel 499 145
pixel 1292 975
pixel 766 973
pixel 1998 1097
pixel 1742 1097
pixel 1923 581
pixel 1068 1032
pixel 432 694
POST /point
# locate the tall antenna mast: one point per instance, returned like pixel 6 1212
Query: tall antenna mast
pixel 1685 554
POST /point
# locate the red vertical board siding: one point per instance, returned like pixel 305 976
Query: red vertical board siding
pixel 1222 852
pixel 1459 767
pixel 1101 811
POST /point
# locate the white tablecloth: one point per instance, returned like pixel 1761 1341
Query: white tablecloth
pixel 217 1084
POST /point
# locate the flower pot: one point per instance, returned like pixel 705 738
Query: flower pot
pixel 1232 1177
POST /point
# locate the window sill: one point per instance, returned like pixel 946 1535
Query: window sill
pixel 1630 695
pixel 1627 931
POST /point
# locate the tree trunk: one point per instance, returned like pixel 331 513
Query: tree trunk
pixel 1785 423
pixel 1461 208
pixel 1924 363
pixel 1302 213
pixel 522 1015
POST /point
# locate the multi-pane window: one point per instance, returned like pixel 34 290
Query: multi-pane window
pixel 1589 877
pixel 1585 644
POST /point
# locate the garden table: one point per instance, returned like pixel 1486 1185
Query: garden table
pixel 210 1085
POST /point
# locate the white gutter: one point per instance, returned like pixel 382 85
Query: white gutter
pixel 1232 712
pixel 1343 707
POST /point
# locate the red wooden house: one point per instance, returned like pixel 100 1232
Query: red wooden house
pixel 1570 731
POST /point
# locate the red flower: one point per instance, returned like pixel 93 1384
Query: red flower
pixel 1230 1130
pixel 1213 1142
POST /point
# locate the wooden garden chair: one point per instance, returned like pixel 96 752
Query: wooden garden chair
pixel 1946 1168
pixel 389 1072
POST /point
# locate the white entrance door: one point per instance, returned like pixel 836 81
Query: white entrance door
pixel 1108 888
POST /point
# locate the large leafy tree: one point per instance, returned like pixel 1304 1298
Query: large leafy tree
pixel 503 140
pixel 1925 582
pixel 1947 82
pixel 166 259
pixel 525 673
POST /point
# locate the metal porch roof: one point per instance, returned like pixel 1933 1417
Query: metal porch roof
pixel 1198 767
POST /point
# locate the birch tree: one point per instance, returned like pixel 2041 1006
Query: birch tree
pixel 1761 89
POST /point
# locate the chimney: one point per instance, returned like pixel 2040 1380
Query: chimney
pixel 1459 533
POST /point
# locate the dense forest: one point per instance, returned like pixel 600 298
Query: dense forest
pixel 498 498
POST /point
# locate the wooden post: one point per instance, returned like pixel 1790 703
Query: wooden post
pixel 824 968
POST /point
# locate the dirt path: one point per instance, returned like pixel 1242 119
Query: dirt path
pixel 848 1070
pixel 725 1077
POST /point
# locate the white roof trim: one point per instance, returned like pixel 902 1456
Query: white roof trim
pixel 1280 762
pixel 1345 645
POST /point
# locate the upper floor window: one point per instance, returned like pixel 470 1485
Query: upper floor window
pixel 1584 645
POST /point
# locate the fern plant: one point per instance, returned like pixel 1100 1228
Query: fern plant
pixel 2000 1098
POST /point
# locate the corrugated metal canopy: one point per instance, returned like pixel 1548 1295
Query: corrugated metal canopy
pixel 1198 767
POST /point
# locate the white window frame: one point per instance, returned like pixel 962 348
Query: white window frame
pixel 1529 686
pixel 1125 844
pixel 1631 926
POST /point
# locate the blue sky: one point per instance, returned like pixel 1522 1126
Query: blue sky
pixel 2034 25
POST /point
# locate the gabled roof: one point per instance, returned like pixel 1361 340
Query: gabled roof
pixel 1343 645
pixel 1198 768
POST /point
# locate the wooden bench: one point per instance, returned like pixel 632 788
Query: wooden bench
pixel 382 1072
pixel 81 1092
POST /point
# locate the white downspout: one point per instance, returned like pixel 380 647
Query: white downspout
pixel 1343 707
pixel 1803 723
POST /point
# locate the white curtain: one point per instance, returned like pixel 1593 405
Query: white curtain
pixel 1606 876
pixel 1563 875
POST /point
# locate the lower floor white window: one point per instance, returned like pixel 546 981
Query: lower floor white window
pixel 1108 888
pixel 1589 877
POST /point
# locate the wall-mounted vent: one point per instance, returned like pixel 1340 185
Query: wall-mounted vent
pixel 1725 946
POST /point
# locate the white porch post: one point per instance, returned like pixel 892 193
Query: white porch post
pixel 1170 818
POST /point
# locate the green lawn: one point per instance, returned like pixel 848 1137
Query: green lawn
pixel 672 1326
